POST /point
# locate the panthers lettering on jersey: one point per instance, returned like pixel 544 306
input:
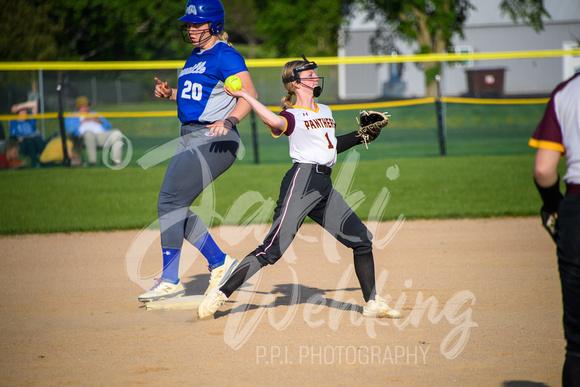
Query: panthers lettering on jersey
pixel 201 95
pixel 311 135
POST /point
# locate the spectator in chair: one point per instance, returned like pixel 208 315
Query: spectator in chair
pixel 95 131
pixel 53 151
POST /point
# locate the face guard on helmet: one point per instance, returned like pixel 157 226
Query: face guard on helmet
pixel 203 11
pixel 317 90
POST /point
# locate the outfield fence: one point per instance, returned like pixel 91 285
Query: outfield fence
pixel 480 120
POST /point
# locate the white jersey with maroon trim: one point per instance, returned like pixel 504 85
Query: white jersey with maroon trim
pixel 310 134
pixel 560 127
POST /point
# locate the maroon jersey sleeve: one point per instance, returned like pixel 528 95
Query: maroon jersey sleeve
pixel 548 134
pixel 290 122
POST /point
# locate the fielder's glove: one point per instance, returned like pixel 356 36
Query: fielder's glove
pixel 550 223
pixel 551 197
pixel 370 125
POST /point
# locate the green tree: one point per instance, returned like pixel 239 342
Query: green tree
pixel 35 30
pixel 432 24
pixel 27 31
pixel 120 30
pixel 301 26
pixel 241 19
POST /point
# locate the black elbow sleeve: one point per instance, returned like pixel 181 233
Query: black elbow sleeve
pixel 347 141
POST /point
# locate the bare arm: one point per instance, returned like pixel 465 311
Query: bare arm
pixel 32 105
pixel 270 119
pixel 546 167
pixel 242 108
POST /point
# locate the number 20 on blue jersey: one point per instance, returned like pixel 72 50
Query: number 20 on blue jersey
pixel 191 91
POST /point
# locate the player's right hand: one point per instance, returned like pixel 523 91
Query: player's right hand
pixel 162 89
pixel 235 94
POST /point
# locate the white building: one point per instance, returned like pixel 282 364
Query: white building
pixel 486 30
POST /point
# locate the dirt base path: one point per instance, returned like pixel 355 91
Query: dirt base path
pixel 480 300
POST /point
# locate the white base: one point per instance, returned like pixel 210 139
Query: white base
pixel 187 302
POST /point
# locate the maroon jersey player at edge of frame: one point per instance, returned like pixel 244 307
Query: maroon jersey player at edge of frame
pixel 558 134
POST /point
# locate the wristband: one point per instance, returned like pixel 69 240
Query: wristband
pixel 551 196
pixel 230 122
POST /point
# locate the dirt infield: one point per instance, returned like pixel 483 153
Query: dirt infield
pixel 480 300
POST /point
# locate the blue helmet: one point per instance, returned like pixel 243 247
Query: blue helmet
pixel 204 11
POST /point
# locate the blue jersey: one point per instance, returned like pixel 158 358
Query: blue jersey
pixel 22 128
pixel 201 96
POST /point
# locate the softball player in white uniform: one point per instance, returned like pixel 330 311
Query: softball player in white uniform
pixel 558 134
pixel 306 189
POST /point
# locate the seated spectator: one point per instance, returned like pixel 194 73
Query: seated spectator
pixel 9 158
pixel 53 154
pixel 24 129
pixel 94 131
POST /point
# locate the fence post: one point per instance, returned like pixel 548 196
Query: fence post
pixel 440 119
pixel 254 137
pixel 41 97
pixel 66 159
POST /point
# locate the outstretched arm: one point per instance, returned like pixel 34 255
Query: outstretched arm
pixel 268 117
pixel 347 141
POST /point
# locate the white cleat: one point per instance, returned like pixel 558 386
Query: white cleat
pixel 379 308
pixel 220 274
pixel 211 303
pixel 161 290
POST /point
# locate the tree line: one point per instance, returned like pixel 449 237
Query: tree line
pixel 103 30
pixel 136 30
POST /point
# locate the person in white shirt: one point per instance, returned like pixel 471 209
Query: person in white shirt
pixel 558 135
pixel 95 131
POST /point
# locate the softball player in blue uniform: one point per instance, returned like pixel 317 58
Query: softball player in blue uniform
pixel 208 142
pixel 306 189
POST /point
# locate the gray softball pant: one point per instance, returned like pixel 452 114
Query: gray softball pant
pixel 307 190
pixel 198 161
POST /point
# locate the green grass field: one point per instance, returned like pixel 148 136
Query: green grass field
pixel 412 132
pixel 487 173
pixel 77 199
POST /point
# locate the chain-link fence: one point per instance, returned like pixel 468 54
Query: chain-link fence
pixel 150 125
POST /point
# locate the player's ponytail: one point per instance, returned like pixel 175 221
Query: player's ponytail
pixel 224 37
pixel 287 101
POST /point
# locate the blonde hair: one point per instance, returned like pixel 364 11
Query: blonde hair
pixel 287 72
pixel 224 37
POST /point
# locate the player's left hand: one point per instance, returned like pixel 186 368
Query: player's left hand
pixel 370 125
pixel 217 129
